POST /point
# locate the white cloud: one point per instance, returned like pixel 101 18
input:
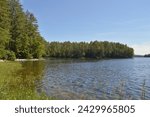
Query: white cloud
pixel 142 49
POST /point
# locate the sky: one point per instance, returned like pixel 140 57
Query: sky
pixel 124 21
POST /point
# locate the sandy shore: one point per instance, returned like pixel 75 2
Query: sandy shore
pixel 24 60
pixel 1 60
pixel 29 59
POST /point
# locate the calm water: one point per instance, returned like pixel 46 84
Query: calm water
pixel 93 79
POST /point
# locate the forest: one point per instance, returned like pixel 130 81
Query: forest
pixel 94 49
pixel 19 35
pixel 20 38
pixel 147 55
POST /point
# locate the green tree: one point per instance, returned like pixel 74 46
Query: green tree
pixel 35 43
pixel 4 28
pixel 94 49
pixel 26 41
pixel 18 32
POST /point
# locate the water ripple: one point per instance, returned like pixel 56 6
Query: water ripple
pixel 104 79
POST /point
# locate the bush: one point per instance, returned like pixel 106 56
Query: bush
pixel 10 55
pixel 7 55
pixel 2 53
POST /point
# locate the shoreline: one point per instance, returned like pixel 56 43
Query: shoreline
pixel 43 59
pixel 1 60
pixel 22 60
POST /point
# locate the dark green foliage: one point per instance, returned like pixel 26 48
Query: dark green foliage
pixel 19 36
pixel 5 54
pixel 94 49
pixel 17 30
pixel 2 53
pixel 147 55
pixel 4 24
pixel 10 55
pixel 4 28
pixel 35 44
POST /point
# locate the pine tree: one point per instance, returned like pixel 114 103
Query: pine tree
pixel 94 49
pixel 4 24
pixel 4 28
pixel 36 42
pixel 18 33
pixel 26 41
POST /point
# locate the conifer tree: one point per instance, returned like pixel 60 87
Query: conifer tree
pixel 4 28
pixel 36 43
pixel 26 41
pixel 18 33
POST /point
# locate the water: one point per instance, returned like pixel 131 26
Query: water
pixel 93 79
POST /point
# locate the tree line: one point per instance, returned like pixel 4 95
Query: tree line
pixel 94 49
pixel 19 35
pixel 147 55
pixel 20 38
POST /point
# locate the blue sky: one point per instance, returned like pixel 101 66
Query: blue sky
pixel 125 21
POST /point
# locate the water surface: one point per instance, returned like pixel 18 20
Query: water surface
pixel 93 79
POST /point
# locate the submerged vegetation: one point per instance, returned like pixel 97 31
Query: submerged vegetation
pixel 94 49
pixel 17 83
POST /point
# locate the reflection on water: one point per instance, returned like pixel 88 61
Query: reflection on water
pixel 32 73
pixel 19 81
pixel 103 79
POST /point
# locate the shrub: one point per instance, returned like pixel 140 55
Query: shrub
pixel 2 53
pixel 10 55
pixel 7 55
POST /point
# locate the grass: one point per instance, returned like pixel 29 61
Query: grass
pixel 14 85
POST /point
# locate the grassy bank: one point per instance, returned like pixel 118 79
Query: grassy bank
pixel 14 85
